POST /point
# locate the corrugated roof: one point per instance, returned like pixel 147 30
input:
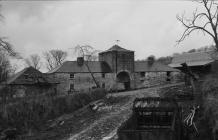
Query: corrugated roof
pixel 73 67
pixel 33 77
pixel 194 63
pixel 143 66
pixel 192 59
pixel 117 48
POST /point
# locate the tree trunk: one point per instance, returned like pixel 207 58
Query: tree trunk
pixel 193 85
pixel 216 45
pixel 96 83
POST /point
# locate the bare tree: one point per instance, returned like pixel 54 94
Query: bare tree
pixel 165 60
pixel 4 65
pixel 59 56
pixel 34 61
pixel 205 21
pixel 6 50
pixel 49 61
pixel 54 58
pixel 6 69
pixel 5 45
pixel 8 47
pixel 151 59
pixel 88 53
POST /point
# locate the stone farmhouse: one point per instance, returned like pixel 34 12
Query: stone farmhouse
pixel 115 70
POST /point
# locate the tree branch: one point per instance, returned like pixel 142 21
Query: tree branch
pixel 8 47
pixel 190 27
pixel 87 50
pixel 191 24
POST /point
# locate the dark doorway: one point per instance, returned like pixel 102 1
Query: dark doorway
pixel 127 85
pixel 123 77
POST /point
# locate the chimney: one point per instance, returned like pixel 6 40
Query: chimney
pixel 151 60
pixel 80 61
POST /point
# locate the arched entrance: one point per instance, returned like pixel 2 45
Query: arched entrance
pixel 123 77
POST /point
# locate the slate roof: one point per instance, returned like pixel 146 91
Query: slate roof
pixel 143 66
pixel 102 67
pixel 192 59
pixel 117 48
pixel 73 67
pixel 33 77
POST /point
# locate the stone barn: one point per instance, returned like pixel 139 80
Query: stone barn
pixel 201 63
pixel 115 70
pixel 28 82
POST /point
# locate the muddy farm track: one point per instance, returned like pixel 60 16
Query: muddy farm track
pixel 86 124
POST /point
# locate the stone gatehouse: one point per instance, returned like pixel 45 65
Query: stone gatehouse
pixel 115 70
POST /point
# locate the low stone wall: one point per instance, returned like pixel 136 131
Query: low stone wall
pixel 156 78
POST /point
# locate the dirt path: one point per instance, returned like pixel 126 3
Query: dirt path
pixel 86 124
pixel 145 91
pixel 105 127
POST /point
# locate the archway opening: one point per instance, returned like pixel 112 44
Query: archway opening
pixel 123 77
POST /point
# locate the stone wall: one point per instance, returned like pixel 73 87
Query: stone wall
pixel 118 61
pixel 125 61
pixel 154 78
pixel 109 58
pixel 84 81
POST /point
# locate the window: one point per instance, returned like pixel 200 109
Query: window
pixel 168 76
pixel 71 87
pixel 168 73
pixel 103 85
pixel 142 74
pixel 72 76
pixel 26 76
pixel 103 75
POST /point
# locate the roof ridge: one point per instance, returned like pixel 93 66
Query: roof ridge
pixel 156 66
pixel 16 75
pixel 72 66
pixel 117 48
pixel 84 61
pixel 205 52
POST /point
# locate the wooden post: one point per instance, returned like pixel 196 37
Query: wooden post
pixel 192 77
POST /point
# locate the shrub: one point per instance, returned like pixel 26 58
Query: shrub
pixel 210 102
pixel 98 93
pixel 32 113
pixel 210 87
pixel 114 100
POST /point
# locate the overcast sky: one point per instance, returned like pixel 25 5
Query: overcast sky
pixel 145 26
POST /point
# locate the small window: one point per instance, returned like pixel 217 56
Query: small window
pixel 71 87
pixel 72 76
pixel 142 74
pixel 103 75
pixel 26 76
pixel 103 85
